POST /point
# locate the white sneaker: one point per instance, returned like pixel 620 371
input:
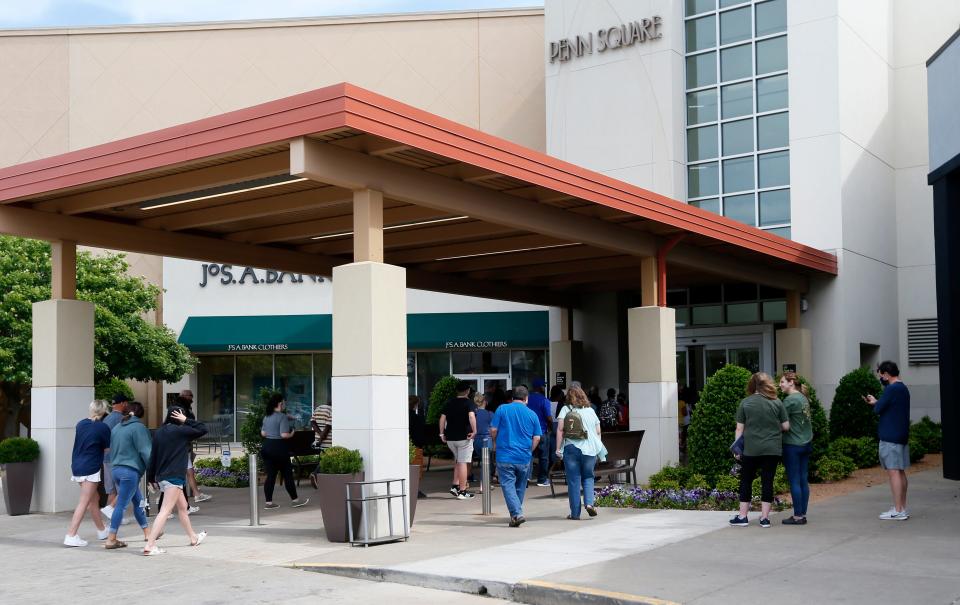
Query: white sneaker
pixel 107 511
pixel 193 509
pixel 887 514
pixel 893 515
pixel 202 497
pixel 74 541
pixel 102 534
pixel 170 516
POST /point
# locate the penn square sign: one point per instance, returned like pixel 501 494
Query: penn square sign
pixel 606 38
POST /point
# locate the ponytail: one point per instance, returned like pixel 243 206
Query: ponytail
pixel 793 378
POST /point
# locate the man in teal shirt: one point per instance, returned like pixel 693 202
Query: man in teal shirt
pixel 516 432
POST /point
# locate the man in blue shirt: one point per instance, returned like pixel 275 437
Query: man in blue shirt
pixel 516 432
pixel 893 407
pixel 538 403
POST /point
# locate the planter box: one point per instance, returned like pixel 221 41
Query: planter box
pixel 332 491
pixel 18 487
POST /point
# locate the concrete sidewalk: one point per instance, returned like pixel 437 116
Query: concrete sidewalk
pixel 844 554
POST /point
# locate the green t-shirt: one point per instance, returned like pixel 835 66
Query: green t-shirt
pixel 761 418
pixel 801 427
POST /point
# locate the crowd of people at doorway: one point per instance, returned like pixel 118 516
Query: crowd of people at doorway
pixel 116 444
pixel 770 430
pixel 524 429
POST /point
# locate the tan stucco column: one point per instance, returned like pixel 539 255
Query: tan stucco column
pixel 653 386
pixel 565 353
pixel 795 344
pixel 370 370
pixel 61 394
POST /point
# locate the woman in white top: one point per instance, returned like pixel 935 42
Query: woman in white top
pixel 579 448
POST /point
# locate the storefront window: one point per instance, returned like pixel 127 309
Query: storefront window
pixel 746 358
pixel 294 379
pixel 480 362
pixel 322 373
pixel 527 366
pixel 215 393
pixel 411 373
pixel 254 372
pixel 431 367
pixel 715 359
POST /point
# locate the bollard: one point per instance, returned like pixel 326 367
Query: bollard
pixel 254 505
pixel 485 477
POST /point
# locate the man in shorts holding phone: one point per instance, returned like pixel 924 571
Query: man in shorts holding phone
pixel 893 407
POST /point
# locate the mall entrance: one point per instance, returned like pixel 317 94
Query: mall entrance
pixel 701 352
pixel 487 383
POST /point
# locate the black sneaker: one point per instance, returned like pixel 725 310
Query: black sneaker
pixel 521 520
pixel 795 521
pixel 764 523
pixel 464 495
pixel 739 521
pixel 514 522
pixel 454 490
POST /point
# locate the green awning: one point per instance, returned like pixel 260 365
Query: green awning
pixel 279 333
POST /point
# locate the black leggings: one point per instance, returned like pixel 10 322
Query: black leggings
pixel 276 459
pixel 768 468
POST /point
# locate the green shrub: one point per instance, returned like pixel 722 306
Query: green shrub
pixel 835 467
pixel 664 484
pixel 850 416
pixel 339 460
pixel 253 422
pixel 674 474
pixel 713 425
pixel 697 481
pixel 107 388
pixel 929 434
pixel 917 448
pixel 443 391
pixel 18 449
pixel 411 451
pixel 862 451
pixel 237 465
pixel 727 483
pixel 821 427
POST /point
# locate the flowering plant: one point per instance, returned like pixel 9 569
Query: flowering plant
pixel 621 496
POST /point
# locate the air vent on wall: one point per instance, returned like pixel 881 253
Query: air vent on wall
pixel 922 341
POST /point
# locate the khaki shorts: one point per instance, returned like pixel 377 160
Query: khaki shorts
pixel 462 450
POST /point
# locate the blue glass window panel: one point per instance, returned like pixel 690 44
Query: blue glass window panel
pixel 771 17
pixel 772 131
pixel 772 93
pixel 701 106
pixel 702 70
pixel 774 169
pixel 738 174
pixel 735 62
pixel 774 207
pixel 738 137
pixel 771 55
pixel 701 143
pixel 737 100
pixel 703 179
pixel 740 208
pixel 712 204
pixel 695 7
pixel 735 26
pixel 701 33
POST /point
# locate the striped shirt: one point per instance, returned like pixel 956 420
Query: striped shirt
pixel 323 416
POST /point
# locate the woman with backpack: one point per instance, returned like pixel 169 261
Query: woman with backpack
pixel 579 446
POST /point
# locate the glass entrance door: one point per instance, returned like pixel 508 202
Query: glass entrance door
pixel 487 383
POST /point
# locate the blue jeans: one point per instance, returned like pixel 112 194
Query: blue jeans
pixel 796 459
pixel 542 456
pixel 579 470
pixel 127 481
pixel 513 483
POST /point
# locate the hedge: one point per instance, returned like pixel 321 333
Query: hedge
pixel 714 422
pixel 850 415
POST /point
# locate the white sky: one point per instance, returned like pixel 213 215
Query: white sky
pixel 56 13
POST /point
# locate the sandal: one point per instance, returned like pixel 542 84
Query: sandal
pixel 591 511
pixel 156 550
pixel 200 538
pixel 115 545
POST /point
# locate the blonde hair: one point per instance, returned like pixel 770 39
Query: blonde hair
pixel 480 399
pixel 762 384
pixel 99 408
pixel 577 398
pixel 794 379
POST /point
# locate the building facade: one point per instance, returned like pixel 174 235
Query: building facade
pixel 804 119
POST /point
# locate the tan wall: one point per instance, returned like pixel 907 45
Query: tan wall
pixel 66 91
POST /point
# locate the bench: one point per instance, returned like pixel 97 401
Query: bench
pixel 622 452
pixel 301 446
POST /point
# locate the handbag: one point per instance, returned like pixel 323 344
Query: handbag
pixel 737 447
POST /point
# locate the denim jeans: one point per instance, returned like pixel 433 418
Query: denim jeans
pixel 796 459
pixel 542 456
pixel 513 483
pixel 127 480
pixel 579 470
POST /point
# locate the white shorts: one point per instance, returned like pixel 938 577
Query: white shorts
pixel 462 450
pixel 94 478
pixel 165 485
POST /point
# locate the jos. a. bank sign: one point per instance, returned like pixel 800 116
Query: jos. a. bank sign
pixel 606 38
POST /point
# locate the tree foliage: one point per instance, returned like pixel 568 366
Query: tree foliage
pixel 850 416
pixel 443 391
pixel 714 422
pixel 126 346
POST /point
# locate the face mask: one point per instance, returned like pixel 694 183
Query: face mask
pixel 884 381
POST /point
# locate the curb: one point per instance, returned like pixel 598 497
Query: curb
pixel 532 592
